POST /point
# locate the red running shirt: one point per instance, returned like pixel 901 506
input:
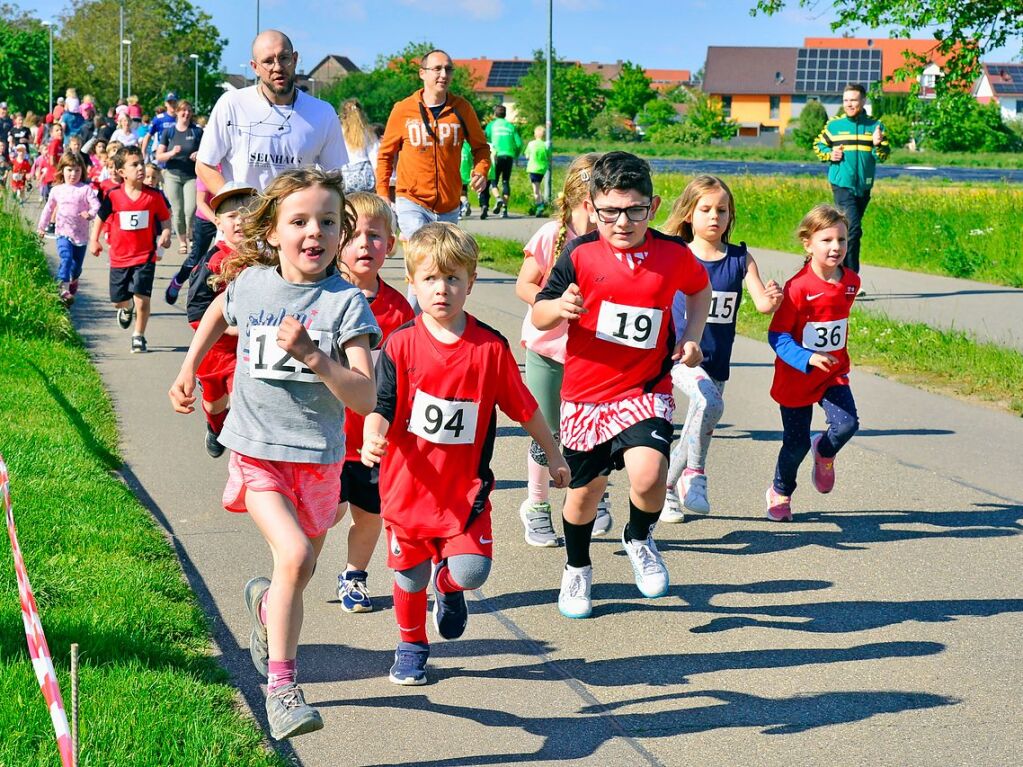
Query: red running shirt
pixel 440 400
pixel 816 314
pixel 622 346
pixel 391 310
pixel 132 225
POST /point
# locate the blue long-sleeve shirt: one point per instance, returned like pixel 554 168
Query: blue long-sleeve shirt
pixel 790 351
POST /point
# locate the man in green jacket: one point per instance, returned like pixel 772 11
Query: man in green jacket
pixel 853 143
pixel 507 143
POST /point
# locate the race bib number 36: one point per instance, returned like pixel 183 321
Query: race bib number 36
pixel 268 360
pixel 133 220
pixel 825 336
pixel 442 421
pixel 722 307
pixel 634 326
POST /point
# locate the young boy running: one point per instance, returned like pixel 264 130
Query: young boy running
pixel 439 379
pixel 134 214
pixel 615 286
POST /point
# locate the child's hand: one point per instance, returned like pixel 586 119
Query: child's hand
pixel 689 354
pixel 374 448
pixel 293 338
pixel 164 239
pixel 85 214
pixel 559 470
pixel 774 294
pixel 570 305
pixel 823 361
pixel 97 249
pixel 181 393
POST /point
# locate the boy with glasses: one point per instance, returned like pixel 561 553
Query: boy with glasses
pixel 615 286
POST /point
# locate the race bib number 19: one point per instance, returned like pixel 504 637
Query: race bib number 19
pixel 443 421
pixel 133 220
pixel 825 336
pixel 634 326
pixel 268 360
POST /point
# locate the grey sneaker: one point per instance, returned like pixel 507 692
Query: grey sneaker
pixel 604 521
pixel 536 517
pixel 288 713
pixel 647 565
pixel 258 648
pixel 672 511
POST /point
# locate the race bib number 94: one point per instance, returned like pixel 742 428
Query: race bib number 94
pixel 722 307
pixel 634 326
pixel 825 336
pixel 268 360
pixel 133 220
pixel 443 421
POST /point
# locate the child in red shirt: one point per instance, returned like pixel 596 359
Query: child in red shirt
pixel 361 260
pixel 20 170
pixel 809 334
pixel 439 381
pixel 133 214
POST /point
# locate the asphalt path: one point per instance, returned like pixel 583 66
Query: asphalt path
pixel 881 627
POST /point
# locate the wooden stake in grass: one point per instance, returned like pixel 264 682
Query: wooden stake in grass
pixel 74 705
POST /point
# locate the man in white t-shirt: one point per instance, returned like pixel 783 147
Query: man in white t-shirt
pixel 256 133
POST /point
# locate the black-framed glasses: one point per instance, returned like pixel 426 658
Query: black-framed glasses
pixel 284 59
pixel 634 213
pixel 438 69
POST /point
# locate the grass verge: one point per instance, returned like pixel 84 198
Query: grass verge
pixel 948 362
pixel 102 572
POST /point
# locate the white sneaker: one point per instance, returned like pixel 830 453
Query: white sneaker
pixel 574 599
pixel 604 521
pixel 695 484
pixel 672 511
pixel 647 565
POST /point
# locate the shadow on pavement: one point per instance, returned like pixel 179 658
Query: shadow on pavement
pixel 775 435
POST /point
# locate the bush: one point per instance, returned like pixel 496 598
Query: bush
pixel 611 126
pixel 898 129
pixel 957 123
pixel 812 120
pixel 677 133
pixel 657 113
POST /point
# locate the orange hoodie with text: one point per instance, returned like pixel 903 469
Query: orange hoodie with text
pixel 429 151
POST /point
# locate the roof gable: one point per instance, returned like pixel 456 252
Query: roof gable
pixel 739 70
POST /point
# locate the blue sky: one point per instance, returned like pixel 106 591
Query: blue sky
pixel 653 33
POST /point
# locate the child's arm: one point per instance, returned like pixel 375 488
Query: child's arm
pixel 211 327
pixel 165 234
pixel 95 247
pixel 47 214
pixel 202 202
pixel 767 298
pixel 374 439
pixel 536 427
pixel 687 351
pixel 92 204
pixel 527 285
pixel 354 386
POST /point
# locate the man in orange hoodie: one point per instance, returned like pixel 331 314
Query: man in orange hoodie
pixel 425 132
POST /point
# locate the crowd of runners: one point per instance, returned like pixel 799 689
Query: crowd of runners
pixel 337 394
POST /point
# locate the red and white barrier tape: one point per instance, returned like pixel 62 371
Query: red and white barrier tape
pixel 37 648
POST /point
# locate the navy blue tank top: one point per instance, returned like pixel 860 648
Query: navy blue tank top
pixel 726 276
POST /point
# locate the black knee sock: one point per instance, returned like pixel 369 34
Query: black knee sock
pixel 640 522
pixel 577 542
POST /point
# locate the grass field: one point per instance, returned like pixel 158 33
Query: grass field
pixel 958 230
pixel 944 361
pixel 102 572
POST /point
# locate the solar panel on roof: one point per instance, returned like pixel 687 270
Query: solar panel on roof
pixel 506 74
pixel 1007 78
pixel 826 70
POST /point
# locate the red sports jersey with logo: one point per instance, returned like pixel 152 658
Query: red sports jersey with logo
pixel 132 225
pixel 20 169
pixel 391 310
pixel 621 347
pixel 440 401
pixel 816 314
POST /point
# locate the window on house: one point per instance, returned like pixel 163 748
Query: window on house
pixel 775 107
pixel 726 106
pixel 1019 107
pixel 927 81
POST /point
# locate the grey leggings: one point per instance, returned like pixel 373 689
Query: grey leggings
pixel 543 379
pixel 469 571
pixel 706 406
pixel 180 190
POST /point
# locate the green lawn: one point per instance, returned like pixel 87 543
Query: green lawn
pixel 103 574
pixel 945 361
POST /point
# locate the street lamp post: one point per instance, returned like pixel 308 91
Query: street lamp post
pixel 550 87
pixel 49 26
pixel 312 85
pixel 127 42
pixel 120 50
pixel 195 57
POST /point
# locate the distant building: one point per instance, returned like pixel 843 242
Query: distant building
pixel 892 57
pixel 331 69
pixel 1003 84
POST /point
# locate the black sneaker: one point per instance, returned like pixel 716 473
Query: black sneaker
pixel 450 615
pixel 213 446
pixel 173 289
pixel 483 214
pixel 125 316
pixel 138 345
pixel 504 213
pixel 499 207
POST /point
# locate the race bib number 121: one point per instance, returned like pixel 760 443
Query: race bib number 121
pixel 268 360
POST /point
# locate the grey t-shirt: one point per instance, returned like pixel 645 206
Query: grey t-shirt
pixel 281 411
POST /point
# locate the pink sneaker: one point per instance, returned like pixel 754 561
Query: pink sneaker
pixel 779 507
pixel 823 474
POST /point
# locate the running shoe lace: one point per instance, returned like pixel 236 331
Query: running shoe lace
pixel 577 586
pixel 647 560
pixel 291 699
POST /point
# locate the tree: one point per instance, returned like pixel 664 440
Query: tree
pixel 812 120
pixel 24 56
pixel 576 97
pixel 164 32
pixel 395 77
pixel 630 91
pixel 957 123
pixel 656 114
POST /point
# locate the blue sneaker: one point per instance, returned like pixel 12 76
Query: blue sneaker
pixel 352 591
pixel 410 663
pixel 450 615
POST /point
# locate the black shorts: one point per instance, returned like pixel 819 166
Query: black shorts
pixel 536 178
pixel 360 486
pixel 503 169
pixel 128 281
pixel 587 465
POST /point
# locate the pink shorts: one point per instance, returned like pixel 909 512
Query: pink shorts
pixel 404 553
pixel 312 488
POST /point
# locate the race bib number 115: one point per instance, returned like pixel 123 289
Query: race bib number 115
pixel 268 360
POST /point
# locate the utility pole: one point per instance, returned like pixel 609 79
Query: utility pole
pixel 120 46
pixel 550 52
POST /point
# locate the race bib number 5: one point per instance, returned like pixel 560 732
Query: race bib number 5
pixel 133 220
pixel 634 326
pixel 443 421
pixel 825 336
pixel 268 360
